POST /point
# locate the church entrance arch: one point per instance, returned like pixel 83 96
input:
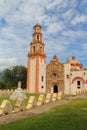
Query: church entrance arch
pixel 55 89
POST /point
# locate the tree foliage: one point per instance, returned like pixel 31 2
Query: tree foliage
pixel 11 76
pixel 2 84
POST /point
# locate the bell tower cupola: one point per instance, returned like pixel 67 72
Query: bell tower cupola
pixel 37 46
pixel 37 35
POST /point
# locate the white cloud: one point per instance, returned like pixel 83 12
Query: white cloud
pixel 55 27
pixel 68 14
pixel 7 62
pixel 75 34
pixel 51 4
pixel 79 19
pixel 57 18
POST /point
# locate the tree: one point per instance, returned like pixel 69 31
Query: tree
pixel 11 76
pixel 2 84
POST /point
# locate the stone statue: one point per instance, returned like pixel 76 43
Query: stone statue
pixel 18 93
pixel 19 84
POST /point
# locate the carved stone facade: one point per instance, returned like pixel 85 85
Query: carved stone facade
pixel 55 76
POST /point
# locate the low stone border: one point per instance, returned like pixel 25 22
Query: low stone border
pixel 36 110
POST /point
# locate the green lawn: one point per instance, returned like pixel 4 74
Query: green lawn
pixel 72 116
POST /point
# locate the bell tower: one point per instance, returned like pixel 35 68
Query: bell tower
pixel 36 71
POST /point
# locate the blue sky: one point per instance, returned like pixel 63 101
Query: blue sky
pixel 64 27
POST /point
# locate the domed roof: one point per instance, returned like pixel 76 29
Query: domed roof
pixel 75 64
pixel 74 61
pixel 37 25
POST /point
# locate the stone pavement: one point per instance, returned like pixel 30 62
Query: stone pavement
pixel 37 110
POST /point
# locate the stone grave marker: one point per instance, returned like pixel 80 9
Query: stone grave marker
pixel 31 102
pixel 48 98
pixel 19 106
pixel 54 97
pixel 59 95
pixel 5 107
pixel 41 100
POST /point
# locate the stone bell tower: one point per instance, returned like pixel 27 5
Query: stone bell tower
pixel 36 71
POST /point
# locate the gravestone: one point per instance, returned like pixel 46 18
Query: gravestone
pixel 31 102
pixel 59 95
pixel 5 107
pixel 48 98
pixel 41 100
pixel 19 106
pixel 18 93
pixel 54 97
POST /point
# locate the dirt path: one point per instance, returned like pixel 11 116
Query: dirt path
pixel 34 111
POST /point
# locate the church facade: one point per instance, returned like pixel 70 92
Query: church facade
pixel 55 76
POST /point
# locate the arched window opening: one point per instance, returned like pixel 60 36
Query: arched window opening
pixel 42 78
pixel 37 37
pixel 34 49
pixel 78 84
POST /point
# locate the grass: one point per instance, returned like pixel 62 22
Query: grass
pixel 72 116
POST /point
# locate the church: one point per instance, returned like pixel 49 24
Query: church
pixel 55 76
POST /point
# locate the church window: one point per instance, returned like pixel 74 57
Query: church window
pixel 67 76
pixel 42 78
pixel 34 49
pixel 78 84
pixel 37 37
pixel 42 86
